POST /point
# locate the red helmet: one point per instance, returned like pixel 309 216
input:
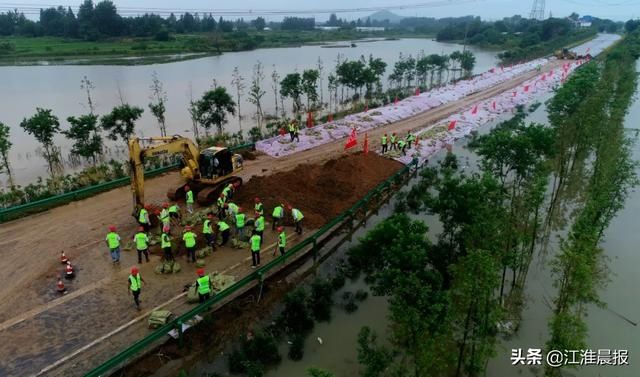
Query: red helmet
pixel 166 229
pixel 147 206
pixel 200 271
pixel 134 270
pixel 112 228
pixel 165 205
pixel 226 205
pixel 187 188
pixel 210 215
pixel 187 227
pixel 221 195
pixel 140 229
pixel 257 200
pixel 240 209
pixel 280 229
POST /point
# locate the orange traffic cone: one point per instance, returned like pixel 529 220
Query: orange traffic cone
pixel 69 274
pixel 60 286
pixel 63 258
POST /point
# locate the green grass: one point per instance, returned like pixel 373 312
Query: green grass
pixel 29 50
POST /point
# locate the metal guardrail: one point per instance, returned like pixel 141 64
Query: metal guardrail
pixel 10 213
pixel 256 275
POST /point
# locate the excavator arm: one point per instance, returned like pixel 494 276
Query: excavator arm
pixel 141 148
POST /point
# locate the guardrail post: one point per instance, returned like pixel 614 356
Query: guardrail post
pixel 180 335
pixel 365 210
pixel 314 249
pixel 261 280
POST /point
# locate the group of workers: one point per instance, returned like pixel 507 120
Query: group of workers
pixel 227 213
pixel 393 142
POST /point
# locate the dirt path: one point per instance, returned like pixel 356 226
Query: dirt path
pixel 38 327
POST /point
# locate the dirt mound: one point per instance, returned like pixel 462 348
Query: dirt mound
pixel 321 192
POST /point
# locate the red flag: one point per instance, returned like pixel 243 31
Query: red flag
pixel 330 120
pixel 282 131
pixel 366 108
pixel 515 94
pixel 492 70
pixel 475 110
pixel 352 141
pixel 526 88
pixel 309 120
pixel 452 125
pixel 395 101
pixel 417 141
pixel 417 91
pixel 501 68
pixel 494 105
pixel 543 78
pixel 365 147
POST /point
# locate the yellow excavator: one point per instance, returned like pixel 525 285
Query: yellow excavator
pixel 566 54
pixel 206 171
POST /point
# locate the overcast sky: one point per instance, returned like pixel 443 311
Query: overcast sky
pixel 487 9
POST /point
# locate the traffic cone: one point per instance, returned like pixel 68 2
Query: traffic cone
pixel 69 274
pixel 63 258
pixel 60 286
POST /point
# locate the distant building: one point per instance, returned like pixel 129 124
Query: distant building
pixel 328 28
pixel 369 28
pixel 584 21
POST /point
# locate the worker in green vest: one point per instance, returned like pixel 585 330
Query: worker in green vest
pixel 410 139
pixel 297 219
pixel 231 210
pixel 224 230
pixel 394 141
pixel 207 231
pixel 142 244
pixel 402 145
pixel 296 130
pixel 189 239
pixel 221 208
pixel 258 206
pixel 165 220
pixel 282 240
pixel 277 215
pixel 228 191
pixel 113 243
pixel 385 143
pixel 134 284
pixel 241 219
pixel 190 199
pixel 292 130
pixel 174 211
pixel 255 242
pixel 259 225
pixel 165 243
pixel 204 285
pixel 143 217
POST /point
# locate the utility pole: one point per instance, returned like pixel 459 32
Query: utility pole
pixel 537 11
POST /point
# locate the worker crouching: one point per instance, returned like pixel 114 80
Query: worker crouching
pixel 204 285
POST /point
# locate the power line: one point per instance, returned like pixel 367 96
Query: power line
pixel 35 9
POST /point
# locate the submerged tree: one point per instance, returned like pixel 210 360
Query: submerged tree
pixel 5 147
pixel 213 107
pixel 158 99
pixel 238 82
pixel 310 86
pixel 44 126
pixel 291 86
pixel 275 84
pixel 87 143
pixel 256 92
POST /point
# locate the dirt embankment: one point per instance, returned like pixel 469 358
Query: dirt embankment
pixel 321 192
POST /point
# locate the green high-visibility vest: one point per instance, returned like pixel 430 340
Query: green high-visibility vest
pixel 297 215
pixel 411 137
pixel 189 239
pixel 260 224
pixel 220 202
pixel 240 218
pixel 393 139
pixel 223 226
pixel 164 216
pixel 142 241
pixel 143 216
pixel 384 140
pixel 282 239
pixel 255 243
pixel 206 228
pixel 113 240
pixel 401 143
pixel 190 197
pixel 203 285
pixel 277 212
pixel 226 190
pixel 135 282
pixel 173 209
pixel 233 208
pixel 165 240
pixel 258 208
pixel 292 128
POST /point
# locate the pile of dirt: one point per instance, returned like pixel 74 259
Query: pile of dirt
pixel 321 192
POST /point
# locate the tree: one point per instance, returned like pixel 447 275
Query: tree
pixel 351 74
pixel 213 107
pixel 317 372
pixel 259 23
pixel 5 147
pixel 106 18
pixel 87 86
pixel 158 100
pixel 121 122
pixel 86 24
pixel 332 84
pixel 291 86
pixel 238 81
pixel 44 126
pixel 320 68
pixel 256 92
pixel 275 82
pixel 467 62
pixel 310 86
pixel 84 133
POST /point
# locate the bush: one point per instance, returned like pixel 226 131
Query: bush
pixel 296 317
pixel 321 299
pixel 296 349
pixel 262 349
pixel 237 361
pixel 162 35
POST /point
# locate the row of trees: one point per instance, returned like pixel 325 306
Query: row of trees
pixel 101 20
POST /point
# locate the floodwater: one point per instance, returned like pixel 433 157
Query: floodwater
pixel 58 88
pixel 606 329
